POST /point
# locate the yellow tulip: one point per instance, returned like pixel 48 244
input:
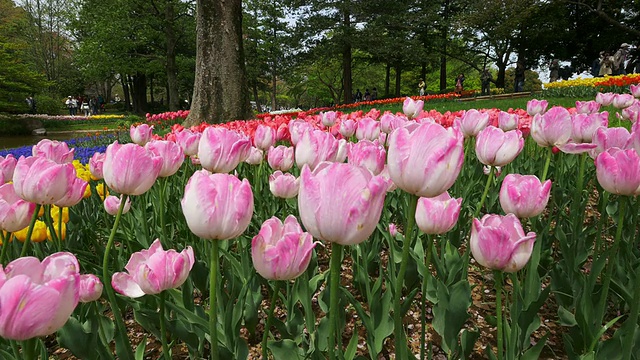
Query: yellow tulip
pixel 39 232
pixel 100 188
pixel 55 213
pixel 56 228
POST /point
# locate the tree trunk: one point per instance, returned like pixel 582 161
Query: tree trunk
pixel 125 90
pixel 387 80
pixel 443 69
pixel 140 93
pixel 500 78
pixel 171 67
pixel 398 79
pixel 220 91
pixel 346 54
pixel 423 71
pixel 255 97
pixel 151 94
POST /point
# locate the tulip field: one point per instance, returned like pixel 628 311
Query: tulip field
pixel 481 234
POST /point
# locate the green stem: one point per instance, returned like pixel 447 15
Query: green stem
pixel 25 247
pixel 267 327
pixel 48 220
pixel 163 328
pixel 487 186
pixel 106 282
pixel 632 321
pixel 400 342
pixel 161 208
pixel 611 261
pixel 29 348
pixel 213 300
pixel 546 164
pixel 423 303
pixel 5 245
pixel 334 297
pixel 604 200
pixel 60 211
pixel 497 275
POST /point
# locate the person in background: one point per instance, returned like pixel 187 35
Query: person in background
pixel 595 65
pixel 374 94
pixel 367 95
pixel 554 68
pixel 606 65
pixel 518 85
pixel 460 83
pixel 485 79
pixel 358 96
pixel 619 59
pixel 69 104
pixel 31 102
pixel 421 86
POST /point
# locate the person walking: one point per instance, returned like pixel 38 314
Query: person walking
pixel 519 77
pixel 606 65
pixel 485 79
pixel 554 68
pixel 460 84
pixel 421 86
pixel 619 59
pixel 31 103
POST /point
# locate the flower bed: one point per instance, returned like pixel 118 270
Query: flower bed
pixel 433 217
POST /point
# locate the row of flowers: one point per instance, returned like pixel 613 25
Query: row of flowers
pixel 71 118
pixel 597 82
pixel 421 153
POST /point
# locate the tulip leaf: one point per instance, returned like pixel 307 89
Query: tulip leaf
pixel 141 348
pixel 78 340
pixel 350 352
pixel 534 352
pixel 566 317
pixel 285 349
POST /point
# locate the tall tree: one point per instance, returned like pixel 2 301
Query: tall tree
pixel 220 91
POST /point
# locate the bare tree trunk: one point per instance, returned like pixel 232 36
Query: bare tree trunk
pixel 346 55
pixel 387 80
pixel 220 92
pixel 171 68
pixel 125 90
pixel 398 78
pixel 255 96
pixel 140 93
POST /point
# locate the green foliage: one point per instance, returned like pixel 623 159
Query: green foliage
pixel 12 126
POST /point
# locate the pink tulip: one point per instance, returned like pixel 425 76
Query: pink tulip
pixel 412 108
pixel 7 166
pixel 621 101
pixel 283 185
pixel 265 137
pixel 43 181
pixel 391 186
pixel 314 147
pixel 153 271
pixel 37 297
pixel 535 107
pixel 255 157
pixel 90 288
pixel 618 171
pixel 390 122
pixel 348 128
pixel 297 128
pixel 112 204
pixel 498 148
pixel 368 129
pixel 607 138
pixel 96 165
pixel 524 195
pixel 584 126
pixel 15 213
pixel 472 122
pixel 217 206
pixel 635 90
pixel 340 203
pixel 130 169
pixel 189 141
pixel 631 113
pixel 58 151
pixel 170 153
pixel 141 134
pixel 497 170
pixel 426 161
pixel 587 107
pixel 74 194
pixel 393 230
pixel 439 214
pixel 329 118
pixel 369 155
pixel 605 99
pixel 553 128
pixel 221 150
pixel 507 121
pixel 280 157
pixel 343 150
pixel 281 251
pixel 634 141
pixel 499 243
